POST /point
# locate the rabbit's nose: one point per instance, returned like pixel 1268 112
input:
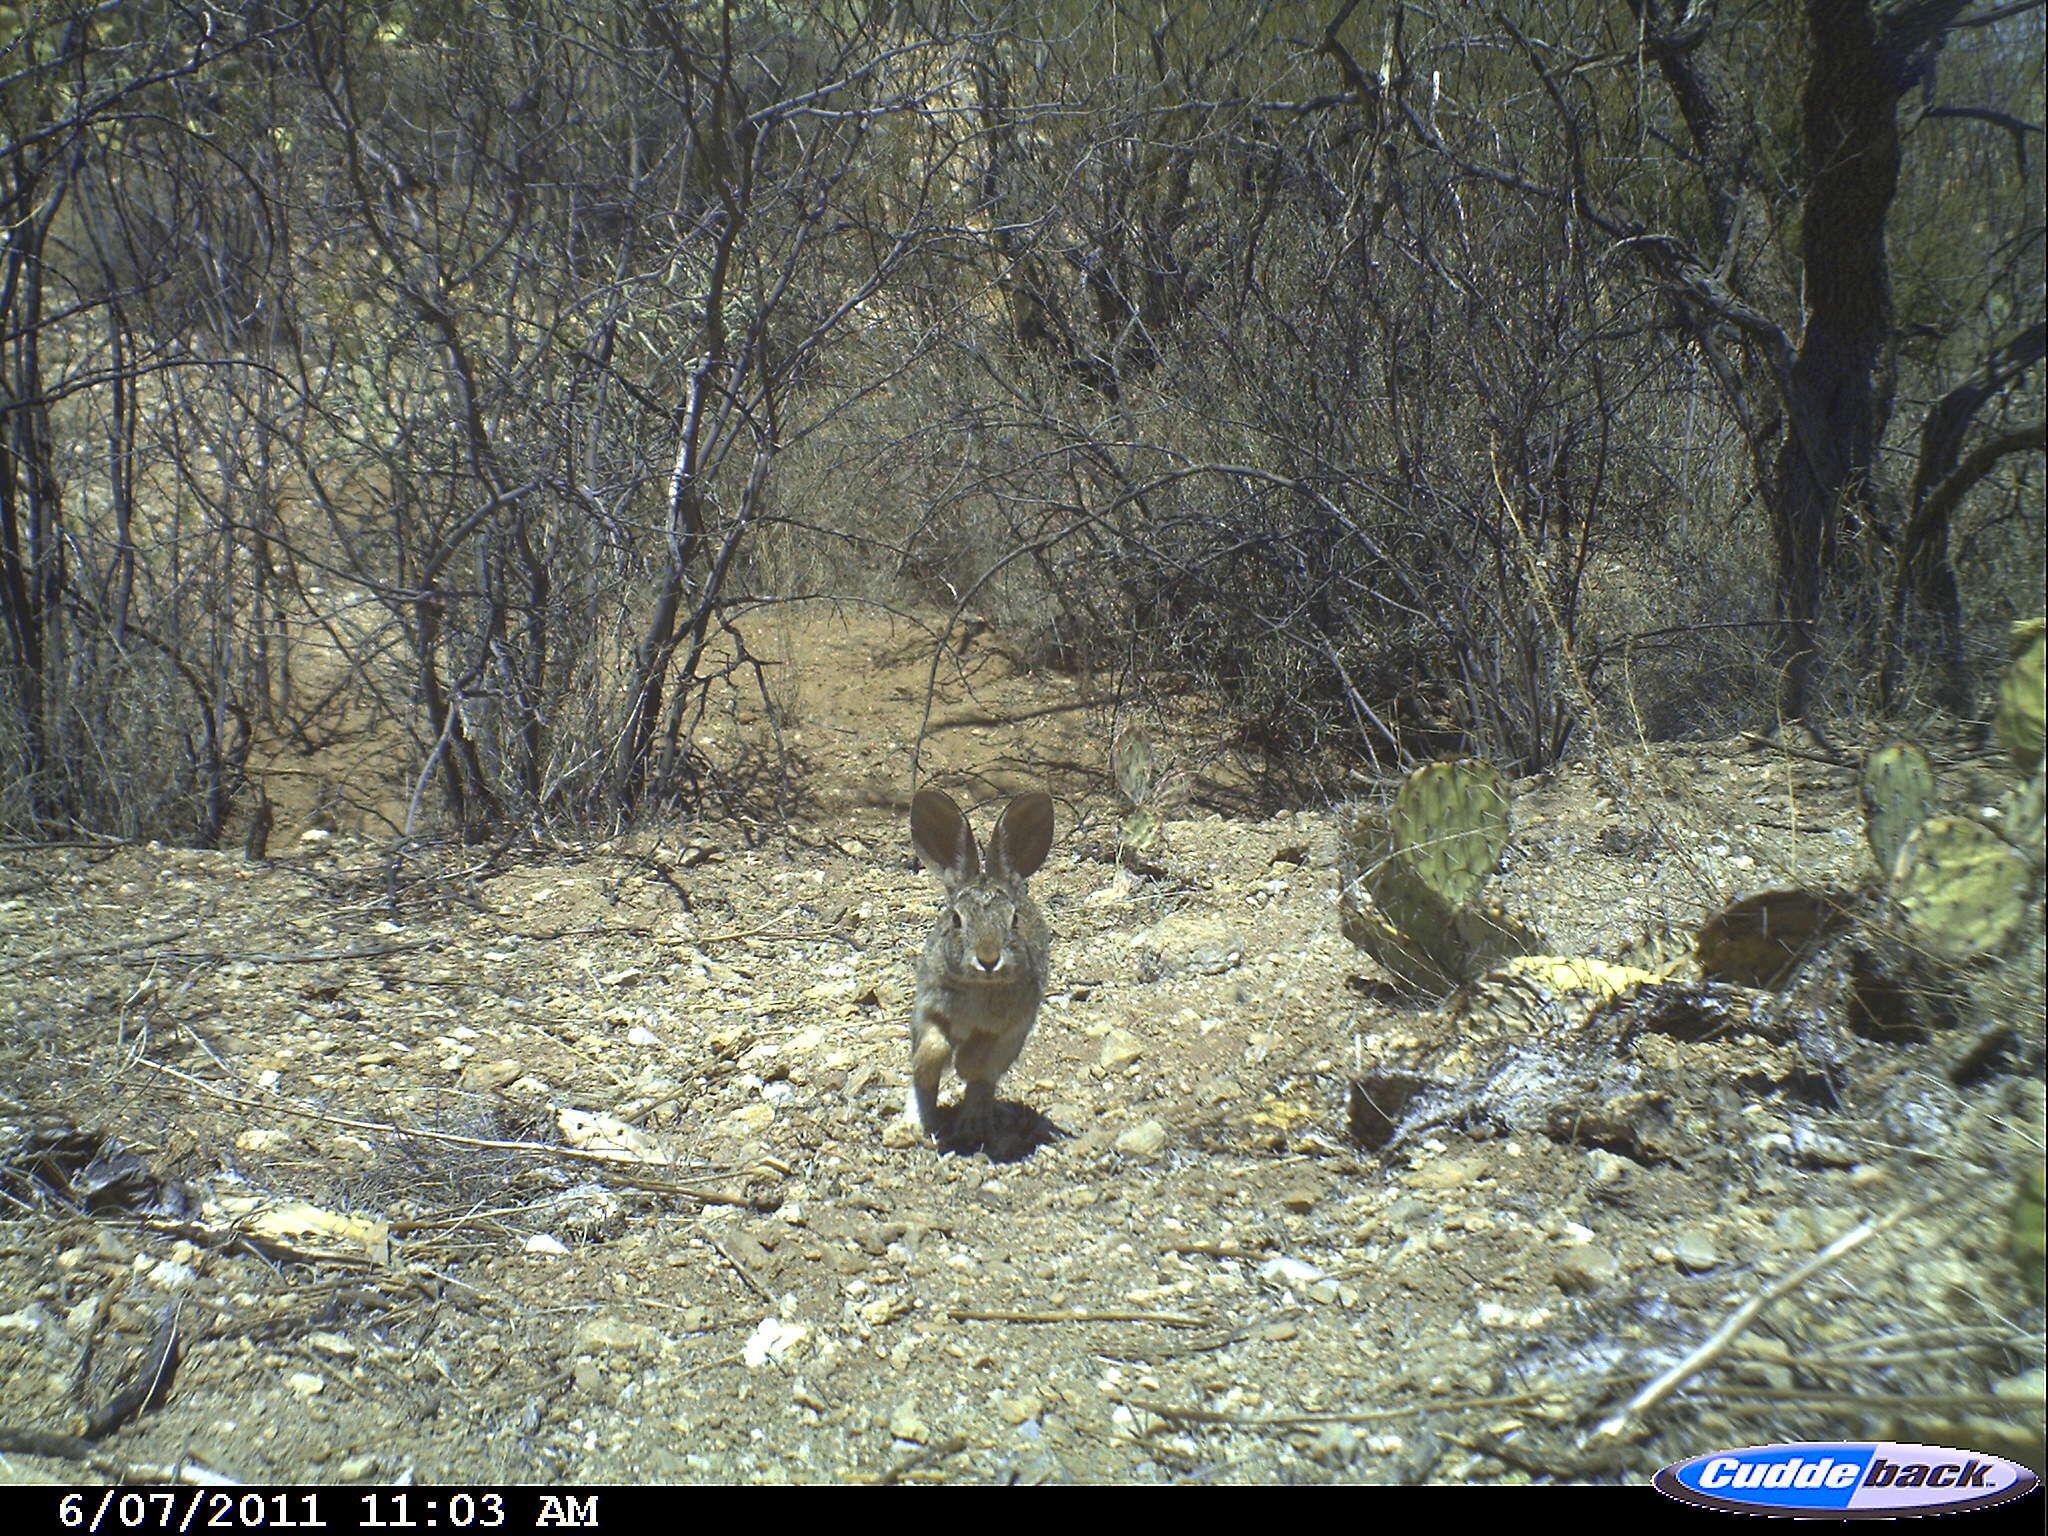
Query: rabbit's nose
pixel 992 962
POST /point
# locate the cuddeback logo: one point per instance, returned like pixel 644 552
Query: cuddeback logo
pixel 1846 1479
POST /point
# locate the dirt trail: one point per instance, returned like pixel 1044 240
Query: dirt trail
pixel 340 1166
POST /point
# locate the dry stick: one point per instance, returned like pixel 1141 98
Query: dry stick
pixel 1169 1319
pixel 1843 1365
pixel 1950 1338
pixel 1217 1250
pixel 742 1271
pixel 1206 1346
pixel 1176 1411
pixel 35 1442
pixel 549 935
pixel 457 1218
pixel 952 1445
pixel 768 930
pixel 1764 743
pixel 1746 1314
pixel 622 1162
pixel 151 1380
pixel 86 951
pixel 304 957
pixel 81 1370
pixel 705 1365
pixel 1768 1399
pixel 130 953
pixel 659 1101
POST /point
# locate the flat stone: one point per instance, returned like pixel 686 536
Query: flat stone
pixel 606 1334
pixel 1144 1141
pixel 1693 1250
pixel 1587 1267
pixel 1119 1049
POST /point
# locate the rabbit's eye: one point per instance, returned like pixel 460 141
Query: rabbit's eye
pixel 956 919
pixel 1013 919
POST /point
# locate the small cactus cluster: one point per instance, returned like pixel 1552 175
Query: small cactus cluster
pixel 1152 793
pixel 1414 872
pixel 1963 887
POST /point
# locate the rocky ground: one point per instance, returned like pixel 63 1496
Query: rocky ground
pixel 584 1163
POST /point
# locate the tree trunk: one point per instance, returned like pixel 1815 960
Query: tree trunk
pixel 1839 387
pixel 1925 578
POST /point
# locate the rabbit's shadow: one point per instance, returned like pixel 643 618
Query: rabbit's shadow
pixel 1015 1131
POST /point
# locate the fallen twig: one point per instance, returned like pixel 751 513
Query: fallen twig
pixel 1832 758
pixel 35 1442
pixel 1188 1415
pixel 622 1163
pixel 151 1381
pixel 1217 1250
pixel 744 1273
pixel 1747 1313
pixel 119 950
pixel 1167 1319
pixel 1766 1399
pixel 302 957
pixel 952 1445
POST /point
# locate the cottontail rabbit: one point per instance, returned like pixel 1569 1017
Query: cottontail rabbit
pixel 984 967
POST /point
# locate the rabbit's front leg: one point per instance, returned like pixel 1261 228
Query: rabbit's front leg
pixel 982 1060
pixel 930 1054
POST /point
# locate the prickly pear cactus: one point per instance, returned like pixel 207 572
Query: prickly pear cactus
pixel 1152 792
pixel 1450 826
pixel 1131 762
pixel 2023 698
pixel 2023 819
pixel 1961 888
pixel 2027 1232
pixel 1898 794
pixel 1413 871
pixel 1141 834
pixel 1391 915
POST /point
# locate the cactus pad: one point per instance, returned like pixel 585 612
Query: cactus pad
pixel 1898 794
pixel 2021 704
pixel 2027 1232
pixel 1449 825
pixel 1960 886
pixel 1406 924
pixel 2025 819
pixel 1141 830
pixel 1390 914
pixel 1131 762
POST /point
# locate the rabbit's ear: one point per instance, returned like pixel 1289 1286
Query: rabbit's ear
pixel 1023 837
pixel 942 837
